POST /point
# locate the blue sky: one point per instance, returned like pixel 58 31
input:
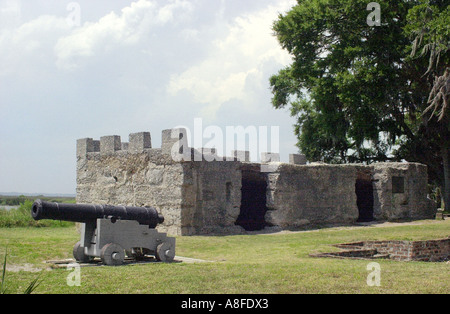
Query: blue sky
pixel 119 67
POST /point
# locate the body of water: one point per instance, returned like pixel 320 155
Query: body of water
pixel 7 207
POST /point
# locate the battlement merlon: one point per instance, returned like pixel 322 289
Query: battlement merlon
pixel 110 144
pixel 84 146
pixel 297 159
pixel 138 142
pixel 174 142
pixel 87 145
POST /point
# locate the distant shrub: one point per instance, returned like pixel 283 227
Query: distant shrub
pixel 21 217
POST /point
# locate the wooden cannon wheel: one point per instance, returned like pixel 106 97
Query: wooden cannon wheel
pixel 78 254
pixel 165 252
pixel 112 254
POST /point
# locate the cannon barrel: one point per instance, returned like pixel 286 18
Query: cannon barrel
pixel 85 213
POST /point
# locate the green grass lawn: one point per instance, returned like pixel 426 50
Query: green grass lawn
pixel 264 263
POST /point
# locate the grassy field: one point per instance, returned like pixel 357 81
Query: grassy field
pixel 20 217
pixel 17 200
pixel 264 263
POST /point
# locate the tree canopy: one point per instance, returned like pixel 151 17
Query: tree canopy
pixel 364 93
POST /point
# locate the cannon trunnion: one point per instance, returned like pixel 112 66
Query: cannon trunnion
pixel 111 232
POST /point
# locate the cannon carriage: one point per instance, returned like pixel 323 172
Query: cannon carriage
pixel 111 232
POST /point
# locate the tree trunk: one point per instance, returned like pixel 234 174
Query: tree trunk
pixel 446 189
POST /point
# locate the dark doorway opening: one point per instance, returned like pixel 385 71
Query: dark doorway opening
pixel 364 197
pixel 253 201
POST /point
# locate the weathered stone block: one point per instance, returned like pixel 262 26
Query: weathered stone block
pixel 297 159
pixel 139 142
pixel 175 143
pixel 84 146
pixel 110 144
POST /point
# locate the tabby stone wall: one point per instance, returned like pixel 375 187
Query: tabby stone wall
pixel 199 192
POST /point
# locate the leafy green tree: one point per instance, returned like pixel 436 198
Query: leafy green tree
pixel 429 25
pixel 356 93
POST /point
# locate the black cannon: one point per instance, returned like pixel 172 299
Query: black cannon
pixel 111 232
pixel 85 213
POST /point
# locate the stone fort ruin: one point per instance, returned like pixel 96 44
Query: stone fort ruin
pixel 199 192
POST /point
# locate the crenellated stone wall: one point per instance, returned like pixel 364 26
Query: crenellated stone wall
pixel 139 176
pixel 192 196
pixel 199 192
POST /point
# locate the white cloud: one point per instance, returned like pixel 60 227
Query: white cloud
pixel 10 13
pixel 234 60
pixel 129 28
pixel 28 47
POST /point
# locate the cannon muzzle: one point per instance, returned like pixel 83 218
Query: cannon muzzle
pixel 86 213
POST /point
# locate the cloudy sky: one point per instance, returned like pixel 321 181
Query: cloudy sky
pixel 77 69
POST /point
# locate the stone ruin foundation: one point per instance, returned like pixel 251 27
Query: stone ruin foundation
pixel 199 192
pixel 425 251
